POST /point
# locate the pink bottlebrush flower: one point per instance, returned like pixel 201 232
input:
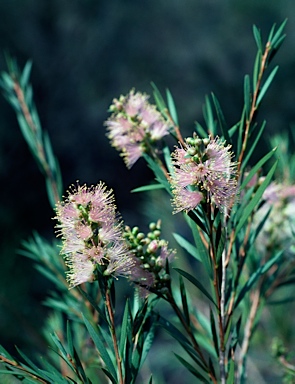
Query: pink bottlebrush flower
pixel 84 231
pixel 120 260
pixel 165 252
pixel 134 126
pixel 278 230
pixel 186 200
pixel 80 271
pixel 74 243
pixel 131 153
pixel 203 169
pixel 135 103
pixel 91 235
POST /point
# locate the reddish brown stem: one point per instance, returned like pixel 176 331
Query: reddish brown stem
pixel 16 365
pixel 114 336
pixel 176 128
pixel 254 105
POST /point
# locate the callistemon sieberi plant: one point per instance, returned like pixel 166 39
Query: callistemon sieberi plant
pixel 235 246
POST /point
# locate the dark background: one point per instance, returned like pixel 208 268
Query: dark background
pixel 84 54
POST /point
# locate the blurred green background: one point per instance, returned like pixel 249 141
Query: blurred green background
pixel 84 54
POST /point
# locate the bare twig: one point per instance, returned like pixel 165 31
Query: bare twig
pixel 255 299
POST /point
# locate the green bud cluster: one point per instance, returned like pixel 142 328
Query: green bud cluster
pixel 151 251
pixel 197 142
pixel 197 146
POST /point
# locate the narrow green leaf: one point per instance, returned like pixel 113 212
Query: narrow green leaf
pixel 8 81
pixel 171 107
pixel 79 368
pixel 231 373
pixel 139 319
pixel 36 120
pixel 233 130
pixel 235 335
pixel 196 283
pixel 256 69
pixel 211 367
pixel 70 339
pixel 95 335
pixel 190 248
pixel 184 300
pixel 257 37
pixel 247 95
pixel 208 116
pixel 221 119
pixel 168 160
pixel 107 373
pixel 241 127
pixel 220 247
pixel 256 198
pixel 13 101
pixel 202 251
pixel 266 85
pixel 201 131
pixel 158 172
pixel 26 74
pixel 252 280
pixel 196 219
pixel 173 331
pixel 214 333
pixel 148 342
pixel 254 234
pixel 270 35
pixel 278 36
pixel 278 43
pixel 255 169
pixel 4 353
pixel 228 330
pixel 49 152
pixel 50 193
pixel 253 146
pixel 158 98
pixel 124 327
pixel 61 349
pixel 192 369
pixel 31 366
pixel 94 304
pixel 146 188
pixel 26 132
pixel 28 91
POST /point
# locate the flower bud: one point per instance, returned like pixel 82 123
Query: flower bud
pixel 152 247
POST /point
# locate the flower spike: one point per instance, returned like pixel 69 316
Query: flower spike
pixel 203 170
pixel 134 126
pixel 92 235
